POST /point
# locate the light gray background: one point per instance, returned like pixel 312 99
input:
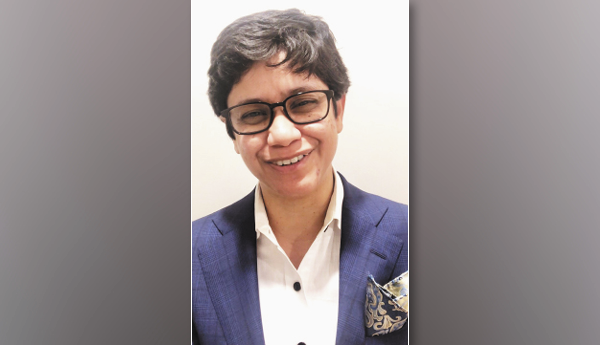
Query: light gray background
pixel 95 175
pixel 373 146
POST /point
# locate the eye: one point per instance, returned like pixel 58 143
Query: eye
pixel 303 103
pixel 253 114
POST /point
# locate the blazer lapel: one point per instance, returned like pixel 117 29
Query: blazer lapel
pixel 363 251
pixel 229 266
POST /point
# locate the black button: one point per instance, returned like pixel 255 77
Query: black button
pixel 301 343
pixel 297 288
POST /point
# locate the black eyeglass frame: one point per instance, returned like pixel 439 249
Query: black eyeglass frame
pixel 226 112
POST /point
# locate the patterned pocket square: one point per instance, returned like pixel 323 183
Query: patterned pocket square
pixel 386 307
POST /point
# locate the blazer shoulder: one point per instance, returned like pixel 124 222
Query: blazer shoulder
pixel 393 206
pixel 395 214
pixel 224 219
pixel 395 209
pixel 357 199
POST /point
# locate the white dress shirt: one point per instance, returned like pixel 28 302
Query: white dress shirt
pixel 300 305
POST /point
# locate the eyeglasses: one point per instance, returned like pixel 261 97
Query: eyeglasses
pixel 301 108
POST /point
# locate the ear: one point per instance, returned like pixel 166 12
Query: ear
pixel 339 120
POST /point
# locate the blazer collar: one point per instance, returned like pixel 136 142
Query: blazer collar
pixel 363 252
pixel 229 266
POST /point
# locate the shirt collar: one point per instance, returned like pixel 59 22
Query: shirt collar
pixel 334 210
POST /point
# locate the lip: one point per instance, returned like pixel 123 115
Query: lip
pixel 274 160
pixel 290 167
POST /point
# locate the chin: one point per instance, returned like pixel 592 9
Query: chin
pixel 298 186
pixel 296 190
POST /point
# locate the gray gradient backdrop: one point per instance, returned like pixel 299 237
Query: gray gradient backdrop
pixel 95 172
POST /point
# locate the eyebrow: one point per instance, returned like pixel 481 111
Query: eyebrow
pixel 291 93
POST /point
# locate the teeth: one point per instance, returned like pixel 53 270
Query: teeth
pixel 290 161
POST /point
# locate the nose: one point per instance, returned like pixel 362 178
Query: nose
pixel 282 131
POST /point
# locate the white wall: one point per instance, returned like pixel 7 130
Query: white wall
pixel 373 147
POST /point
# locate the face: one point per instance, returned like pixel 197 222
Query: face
pixel 314 144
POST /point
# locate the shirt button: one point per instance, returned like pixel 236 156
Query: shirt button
pixel 297 288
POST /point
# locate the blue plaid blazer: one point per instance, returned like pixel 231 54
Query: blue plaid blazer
pixel 225 302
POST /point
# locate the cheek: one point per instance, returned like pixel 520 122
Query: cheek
pixel 324 132
pixel 332 138
pixel 247 147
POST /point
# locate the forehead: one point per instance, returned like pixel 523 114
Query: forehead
pixel 266 83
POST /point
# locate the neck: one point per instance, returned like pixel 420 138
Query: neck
pixel 297 222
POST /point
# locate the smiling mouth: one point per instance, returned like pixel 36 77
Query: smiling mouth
pixel 290 161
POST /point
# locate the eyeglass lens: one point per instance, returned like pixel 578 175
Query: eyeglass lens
pixel 303 108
